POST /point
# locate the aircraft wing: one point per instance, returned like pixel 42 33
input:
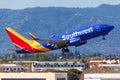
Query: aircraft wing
pixel 60 43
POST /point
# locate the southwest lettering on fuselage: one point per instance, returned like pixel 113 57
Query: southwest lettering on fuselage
pixel 75 34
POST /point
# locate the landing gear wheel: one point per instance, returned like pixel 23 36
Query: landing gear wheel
pixel 66 50
pixel 63 50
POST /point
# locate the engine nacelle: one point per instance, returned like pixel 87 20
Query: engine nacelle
pixel 74 41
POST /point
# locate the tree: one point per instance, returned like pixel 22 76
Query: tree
pixel 42 57
pixel 7 60
pixel 73 74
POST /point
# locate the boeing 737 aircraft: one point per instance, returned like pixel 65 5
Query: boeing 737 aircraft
pixel 74 38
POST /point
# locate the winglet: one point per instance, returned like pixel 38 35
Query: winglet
pixel 33 36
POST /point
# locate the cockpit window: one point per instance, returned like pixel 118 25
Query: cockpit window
pixel 105 25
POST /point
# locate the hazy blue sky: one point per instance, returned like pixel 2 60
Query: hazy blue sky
pixel 20 4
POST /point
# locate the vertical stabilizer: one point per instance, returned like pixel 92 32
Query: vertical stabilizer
pixel 17 39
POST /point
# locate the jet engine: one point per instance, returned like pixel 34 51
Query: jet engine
pixel 74 41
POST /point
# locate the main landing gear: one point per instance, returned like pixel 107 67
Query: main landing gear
pixel 65 52
pixel 65 49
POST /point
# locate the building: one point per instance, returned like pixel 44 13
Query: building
pixel 105 61
pixel 110 66
pixel 33 76
pixel 111 61
pixel 94 63
pixel 102 76
pixel 44 65
pixel 27 64
pixel 12 68
pixel 37 66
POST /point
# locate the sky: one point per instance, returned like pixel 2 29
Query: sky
pixel 21 4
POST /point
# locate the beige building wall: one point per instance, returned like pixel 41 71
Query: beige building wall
pixel 102 76
pixel 47 76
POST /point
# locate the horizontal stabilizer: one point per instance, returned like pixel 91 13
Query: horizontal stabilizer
pixel 15 49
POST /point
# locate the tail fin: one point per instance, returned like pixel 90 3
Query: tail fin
pixel 17 39
pixel 33 36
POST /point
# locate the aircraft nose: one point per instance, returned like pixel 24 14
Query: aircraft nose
pixel 111 27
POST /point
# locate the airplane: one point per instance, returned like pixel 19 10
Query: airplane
pixel 63 41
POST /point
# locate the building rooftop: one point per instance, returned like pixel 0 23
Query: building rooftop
pixel 8 65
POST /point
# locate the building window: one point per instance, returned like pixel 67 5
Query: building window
pixel 78 65
pixel 40 65
pixel 14 69
pixel 22 69
pixel 51 65
pixel 61 78
pixel 44 65
pixel 61 65
pixel 82 65
pixel 7 69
